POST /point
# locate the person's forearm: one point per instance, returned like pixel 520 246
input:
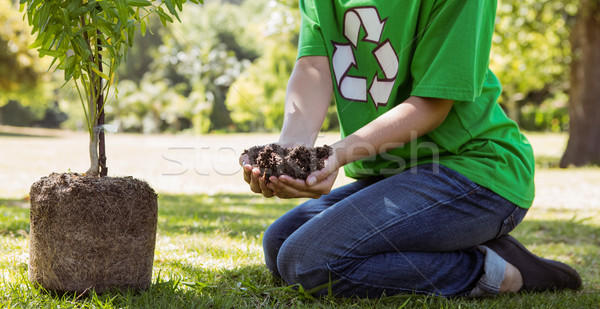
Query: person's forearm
pixel 405 122
pixel 307 99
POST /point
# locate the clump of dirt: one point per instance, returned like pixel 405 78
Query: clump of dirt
pixel 296 162
pixel 92 233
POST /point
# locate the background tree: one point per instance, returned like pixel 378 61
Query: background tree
pixel 225 63
pixel 192 65
pixel 531 55
pixel 256 99
pixel 584 107
pixel 23 77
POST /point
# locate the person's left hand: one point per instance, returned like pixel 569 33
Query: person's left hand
pixel 316 184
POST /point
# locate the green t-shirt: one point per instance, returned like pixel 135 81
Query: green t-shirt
pixel 382 52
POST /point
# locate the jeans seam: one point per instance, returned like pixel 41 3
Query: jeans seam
pixel 459 179
pixel 402 218
pixel 374 285
pixel 378 231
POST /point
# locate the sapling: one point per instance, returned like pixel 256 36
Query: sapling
pixel 88 39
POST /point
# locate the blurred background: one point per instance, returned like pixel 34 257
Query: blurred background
pixel 192 96
pixel 229 61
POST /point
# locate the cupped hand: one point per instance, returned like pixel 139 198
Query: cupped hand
pixel 252 176
pixel 316 184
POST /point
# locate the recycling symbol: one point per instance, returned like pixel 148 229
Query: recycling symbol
pixel 354 88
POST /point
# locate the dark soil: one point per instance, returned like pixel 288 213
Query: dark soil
pixel 92 232
pixel 296 162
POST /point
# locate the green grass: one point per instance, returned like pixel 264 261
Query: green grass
pixel 209 255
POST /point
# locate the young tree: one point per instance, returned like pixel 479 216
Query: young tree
pixel 584 111
pixel 88 39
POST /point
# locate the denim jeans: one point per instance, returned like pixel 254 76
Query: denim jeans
pixel 414 232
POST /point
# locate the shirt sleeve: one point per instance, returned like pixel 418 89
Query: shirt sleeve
pixel 310 42
pixel 453 48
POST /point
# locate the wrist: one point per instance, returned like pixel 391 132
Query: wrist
pixel 338 157
pixel 291 140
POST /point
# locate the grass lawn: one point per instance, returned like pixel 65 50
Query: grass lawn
pixel 209 255
pixel 208 251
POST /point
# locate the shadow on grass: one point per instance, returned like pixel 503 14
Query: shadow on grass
pixel 574 241
pixel 190 284
pixel 243 287
pixel 254 287
pixel 572 232
pixel 233 214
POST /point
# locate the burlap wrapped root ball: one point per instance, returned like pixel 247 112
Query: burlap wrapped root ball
pixel 92 233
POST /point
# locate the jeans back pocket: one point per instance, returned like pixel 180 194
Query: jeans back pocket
pixel 509 224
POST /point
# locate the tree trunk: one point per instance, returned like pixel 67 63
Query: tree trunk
pixel 94 162
pixel 583 147
pixel 100 109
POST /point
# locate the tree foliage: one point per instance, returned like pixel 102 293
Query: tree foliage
pixel 227 65
pixel 23 76
pixel 87 41
pixel 198 60
pixel 531 55
pixel 256 99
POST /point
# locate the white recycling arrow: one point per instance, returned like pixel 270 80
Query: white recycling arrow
pixel 368 17
pixel 352 25
pixel 381 90
pixel 355 87
pixel 350 87
pixel 372 23
pixel 343 60
pixel 387 58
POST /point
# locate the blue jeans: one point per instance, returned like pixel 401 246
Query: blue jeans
pixel 414 232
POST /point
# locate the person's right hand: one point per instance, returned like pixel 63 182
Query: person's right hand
pixel 253 177
pixel 317 184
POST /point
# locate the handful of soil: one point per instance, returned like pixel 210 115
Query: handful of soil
pixel 296 162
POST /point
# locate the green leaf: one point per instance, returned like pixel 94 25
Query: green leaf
pixel 37 43
pixel 164 17
pixel 66 21
pixel 109 9
pixel 52 64
pixel 68 64
pixel 171 8
pixel 80 47
pixel 138 3
pixel 74 5
pixel 106 28
pixel 130 33
pixel 43 14
pixel 108 47
pixel 143 27
pixel 84 29
pixel 96 70
pixel 61 42
pixel 122 11
pixel 69 72
pixel 49 52
pixel 49 35
pixel 83 9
